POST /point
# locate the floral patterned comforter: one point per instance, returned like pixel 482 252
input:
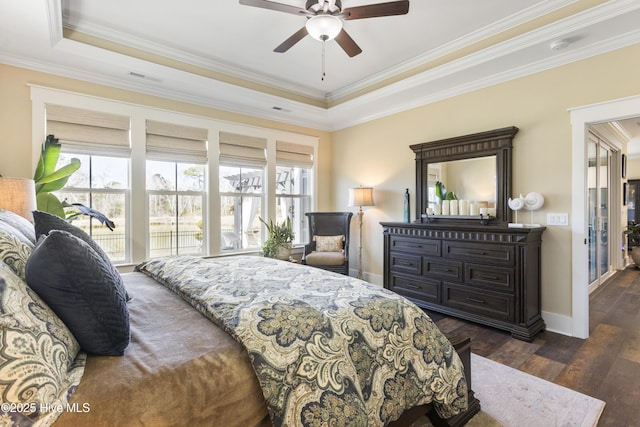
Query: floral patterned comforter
pixel 327 349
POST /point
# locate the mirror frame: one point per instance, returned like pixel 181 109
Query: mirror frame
pixel 497 142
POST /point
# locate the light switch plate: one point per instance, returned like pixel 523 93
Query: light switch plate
pixel 561 219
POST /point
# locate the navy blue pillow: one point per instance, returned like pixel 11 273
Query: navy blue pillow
pixel 80 288
pixel 44 222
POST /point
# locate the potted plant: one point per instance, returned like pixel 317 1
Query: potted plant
pixel 633 234
pixel 278 243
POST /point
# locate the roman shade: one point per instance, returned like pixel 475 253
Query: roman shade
pixel 242 150
pixel 294 155
pixel 87 132
pixel 171 142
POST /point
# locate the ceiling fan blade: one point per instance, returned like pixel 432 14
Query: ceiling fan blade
pixel 266 4
pixel 376 10
pixel 295 38
pixel 348 44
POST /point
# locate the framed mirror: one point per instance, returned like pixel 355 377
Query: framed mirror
pixel 459 179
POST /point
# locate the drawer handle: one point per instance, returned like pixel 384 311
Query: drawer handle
pixel 478 253
pixel 491 277
pixel 479 301
pixel 404 263
pixel 409 285
pixel 414 245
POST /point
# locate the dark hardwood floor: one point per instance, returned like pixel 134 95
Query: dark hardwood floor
pixel 605 366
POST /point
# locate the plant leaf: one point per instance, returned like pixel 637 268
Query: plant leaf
pixel 51 154
pixel 84 210
pixel 47 202
pixel 63 173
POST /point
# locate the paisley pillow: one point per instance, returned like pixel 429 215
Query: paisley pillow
pixel 14 251
pixel 22 225
pixel 34 340
pixel 329 243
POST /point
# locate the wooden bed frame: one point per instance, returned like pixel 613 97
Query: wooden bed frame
pixel 463 347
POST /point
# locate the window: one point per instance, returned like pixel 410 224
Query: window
pixel 176 200
pixel 294 163
pixel 240 207
pixel 101 183
pixel 241 184
pixel 176 189
pixel 101 142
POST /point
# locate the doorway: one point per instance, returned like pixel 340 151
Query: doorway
pixel 581 119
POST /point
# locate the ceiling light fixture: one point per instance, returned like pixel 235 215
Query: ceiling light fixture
pixel 324 27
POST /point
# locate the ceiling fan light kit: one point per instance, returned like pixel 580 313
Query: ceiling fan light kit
pixel 324 27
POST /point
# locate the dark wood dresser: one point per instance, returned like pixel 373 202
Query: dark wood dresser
pixel 488 274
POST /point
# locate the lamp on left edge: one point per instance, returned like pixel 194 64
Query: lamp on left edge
pixel 18 195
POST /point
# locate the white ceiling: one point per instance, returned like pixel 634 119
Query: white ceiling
pixel 220 53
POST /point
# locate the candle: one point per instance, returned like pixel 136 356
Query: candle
pixel 483 211
pixel 445 207
pixel 473 209
pixel 453 207
pixel 463 207
pixel 438 210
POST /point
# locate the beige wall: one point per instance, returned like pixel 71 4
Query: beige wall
pixel 377 153
pixel 15 121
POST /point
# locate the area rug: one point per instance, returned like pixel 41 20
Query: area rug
pixel 512 398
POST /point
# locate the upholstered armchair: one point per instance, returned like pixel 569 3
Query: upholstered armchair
pixel 329 246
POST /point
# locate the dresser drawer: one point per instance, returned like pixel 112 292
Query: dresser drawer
pixel 416 246
pixel 422 290
pixel 489 277
pixel 406 263
pixel 442 269
pixel 483 303
pixel 480 252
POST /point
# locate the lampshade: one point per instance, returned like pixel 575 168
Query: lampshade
pixel 324 27
pixel 361 196
pixel 18 195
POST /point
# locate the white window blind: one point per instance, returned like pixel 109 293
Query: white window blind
pixel 242 149
pixel 171 142
pixel 87 132
pixel 294 155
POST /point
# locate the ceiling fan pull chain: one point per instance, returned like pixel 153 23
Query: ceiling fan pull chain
pixel 323 60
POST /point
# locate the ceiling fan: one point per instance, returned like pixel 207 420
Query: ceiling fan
pixel 325 19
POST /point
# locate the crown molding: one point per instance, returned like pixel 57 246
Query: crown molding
pixel 496 28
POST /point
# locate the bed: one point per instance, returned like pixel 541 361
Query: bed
pixel 210 342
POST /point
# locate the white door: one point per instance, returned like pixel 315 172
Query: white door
pixel 599 155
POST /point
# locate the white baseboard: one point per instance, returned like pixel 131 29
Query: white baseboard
pixel 376 279
pixel 558 323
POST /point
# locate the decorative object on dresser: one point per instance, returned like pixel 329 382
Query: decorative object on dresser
pixel 329 246
pixel 361 196
pixel 407 206
pixel 532 202
pixel 18 195
pixel 479 270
